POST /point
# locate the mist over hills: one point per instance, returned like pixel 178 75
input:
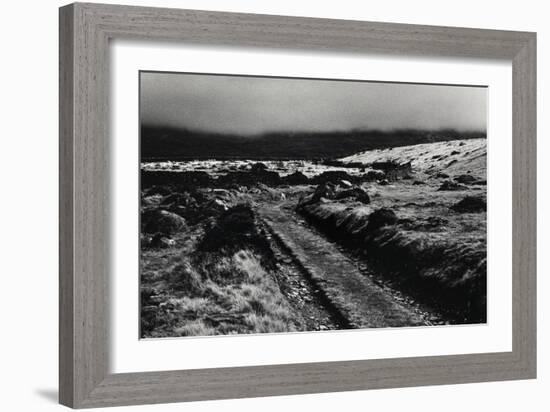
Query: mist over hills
pixel 183 144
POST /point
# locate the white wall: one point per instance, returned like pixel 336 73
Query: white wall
pixel 28 98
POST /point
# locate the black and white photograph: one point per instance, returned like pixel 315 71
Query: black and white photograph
pixel 282 205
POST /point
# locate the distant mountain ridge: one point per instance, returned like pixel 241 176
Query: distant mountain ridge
pixel 181 144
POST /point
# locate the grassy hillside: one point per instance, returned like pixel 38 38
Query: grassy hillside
pixel 453 157
pixel 425 234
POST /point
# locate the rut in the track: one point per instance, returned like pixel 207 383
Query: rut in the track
pixel 357 298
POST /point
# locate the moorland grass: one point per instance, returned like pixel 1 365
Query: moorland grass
pixel 217 295
pixel 221 284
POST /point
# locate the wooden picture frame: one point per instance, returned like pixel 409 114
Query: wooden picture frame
pixel 85 31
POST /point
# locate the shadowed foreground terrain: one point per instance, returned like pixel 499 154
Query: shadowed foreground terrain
pixel 383 238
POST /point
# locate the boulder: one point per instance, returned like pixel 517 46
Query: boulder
pixel 234 229
pixel 373 175
pixel 268 178
pixel 332 176
pixel 449 185
pixel 470 204
pixel 465 179
pixel 258 167
pixel 296 178
pixel 381 217
pixel 161 221
pixel 324 190
pixel 393 169
pixel 356 193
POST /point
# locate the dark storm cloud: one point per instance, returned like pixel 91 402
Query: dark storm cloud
pixel 252 105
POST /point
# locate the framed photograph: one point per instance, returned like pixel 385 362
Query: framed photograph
pixel 257 205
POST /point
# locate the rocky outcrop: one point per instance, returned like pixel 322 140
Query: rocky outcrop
pixel 373 175
pixel 332 176
pixel 258 167
pixel 393 170
pixel 235 229
pixel 470 204
pixel 380 218
pixel 331 191
pixel 357 193
pixel 449 185
pixel 296 178
pixel 465 179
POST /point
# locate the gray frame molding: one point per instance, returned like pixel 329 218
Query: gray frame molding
pixel 85 30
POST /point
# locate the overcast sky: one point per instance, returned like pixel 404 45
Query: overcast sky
pixel 253 105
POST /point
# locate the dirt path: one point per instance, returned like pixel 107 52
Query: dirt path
pixel 311 310
pixel 355 297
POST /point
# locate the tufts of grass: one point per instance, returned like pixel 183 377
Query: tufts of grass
pixel 184 277
pixel 214 294
pixel 194 328
pixel 265 324
pixel 437 255
pixel 221 283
